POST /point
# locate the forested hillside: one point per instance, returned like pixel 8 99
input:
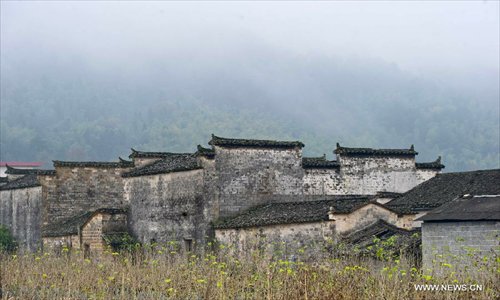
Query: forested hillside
pixel 67 108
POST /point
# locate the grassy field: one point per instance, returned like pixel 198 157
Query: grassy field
pixel 160 273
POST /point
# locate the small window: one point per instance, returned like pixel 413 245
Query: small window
pixel 188 245
pixel 86 250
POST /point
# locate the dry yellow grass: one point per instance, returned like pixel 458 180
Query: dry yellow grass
pixel 159 273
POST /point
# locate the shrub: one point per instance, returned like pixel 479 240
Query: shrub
pixel 121 241
pixel 7 242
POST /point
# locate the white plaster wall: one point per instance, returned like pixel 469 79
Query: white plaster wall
pixel 425 174
pixel 21 213
pixel 369 214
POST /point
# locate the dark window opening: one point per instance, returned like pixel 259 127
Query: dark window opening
pixel 86 250
pixel 188 245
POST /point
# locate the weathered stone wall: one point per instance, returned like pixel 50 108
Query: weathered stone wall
pixel 210 200
pixel 371 174
pixel 20 213
pixel 75 190
pixel 323 182
pixel 248 176
pixel 454 243
pixel 291 239
pixel 167 207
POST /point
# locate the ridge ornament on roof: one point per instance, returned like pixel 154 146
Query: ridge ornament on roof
pixel 202 151
pixel 26 181
pixel 431 165
pixel 374 152
pixel 250 143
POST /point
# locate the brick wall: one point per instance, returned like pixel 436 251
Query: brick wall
pixel 91 234
pixel 458 243
pixel 77 190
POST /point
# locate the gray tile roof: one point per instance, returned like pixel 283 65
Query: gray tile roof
pixel 408 240
pixel 382 194
pixel 26 181
pixel 467 208
pixel 374 152
pixel 207 152
pixel 445 187
pixel 146 154
pixel 431 165
pixel 71 225
pixel 174 163
pixel 93 164
pixel 243 143
pixel 319 163
pixel 14 171
pixel 291 212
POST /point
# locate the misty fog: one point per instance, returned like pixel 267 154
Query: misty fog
pixel 89 80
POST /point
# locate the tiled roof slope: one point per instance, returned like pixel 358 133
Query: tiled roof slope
pixel 291 212
pixel 71 225
pixel 207 152
pixel 445 187
pixel 26 181
pixel 382 194
pixel 319 163
pixel 374 152
pixel 366 239
pixel 146 154
pixel 173 163
pixel 467 208
pixel 431 165
pixel 380 229
pixel 238 143
pixel 14 171
pixel 93 164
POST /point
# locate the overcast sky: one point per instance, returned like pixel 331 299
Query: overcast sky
pixel 420 37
